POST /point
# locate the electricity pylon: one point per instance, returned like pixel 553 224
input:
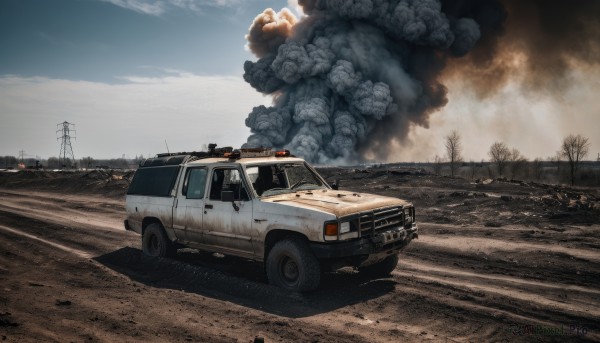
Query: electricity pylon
pixel 66 131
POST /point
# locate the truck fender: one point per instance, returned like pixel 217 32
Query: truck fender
pixel 149 220
pixel 275 235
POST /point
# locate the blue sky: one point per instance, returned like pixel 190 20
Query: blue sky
pixel 97 40
pixel 129 73
pixel 133 73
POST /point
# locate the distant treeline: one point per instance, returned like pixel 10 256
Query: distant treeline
pixel 551 172
pixel 12 162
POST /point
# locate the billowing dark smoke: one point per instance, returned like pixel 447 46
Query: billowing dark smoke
pixel 538 40
pixel 354 75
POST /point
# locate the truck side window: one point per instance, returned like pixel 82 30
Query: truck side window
pixel 265 177
pixel 154 181
pixel 228 180
pixel 195 183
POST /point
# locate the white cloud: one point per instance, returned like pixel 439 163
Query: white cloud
pixel 155 8
pixel 295 7
pixel 159 7
pixel 132 118
pixel 224 3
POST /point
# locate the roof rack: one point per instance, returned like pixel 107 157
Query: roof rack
pixel 176 158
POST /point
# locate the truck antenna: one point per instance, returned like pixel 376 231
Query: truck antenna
pixel 167 146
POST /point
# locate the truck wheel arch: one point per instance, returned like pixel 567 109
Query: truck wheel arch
pixel 277 235
pixel 150 220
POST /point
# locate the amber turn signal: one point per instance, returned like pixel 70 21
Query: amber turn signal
pixel 331 229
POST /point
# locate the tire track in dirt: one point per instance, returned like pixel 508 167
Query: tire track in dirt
pixel 438 292
pixel 51 208
pixel 77 252
pixel 414 265
pixel 490 245
pixel 82 237
pixel 161 273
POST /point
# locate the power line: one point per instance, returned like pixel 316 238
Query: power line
pixel 66 131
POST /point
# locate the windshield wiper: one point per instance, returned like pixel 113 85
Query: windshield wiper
pixel 299 183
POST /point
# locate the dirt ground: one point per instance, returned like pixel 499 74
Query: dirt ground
pixel 496 260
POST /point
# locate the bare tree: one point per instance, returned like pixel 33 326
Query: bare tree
pixel 453 151
pixel 556 161
pixel 575 148
pixel 437 165
pixel 87 162
pixel 517 162
pixel 53 163
pixel 8 162
pixel 500 155
pixel 472 169
pixel 537 169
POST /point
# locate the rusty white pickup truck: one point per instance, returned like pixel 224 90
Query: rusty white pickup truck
pixel 266 206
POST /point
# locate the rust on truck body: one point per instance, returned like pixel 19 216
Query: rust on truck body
pixel 336 202
pixel 243 227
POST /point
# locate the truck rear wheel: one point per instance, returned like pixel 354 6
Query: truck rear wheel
pixel 381 269
pixel 156 243
pixel 292 265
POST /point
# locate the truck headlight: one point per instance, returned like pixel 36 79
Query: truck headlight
pixel 345 227
pixel 409 215
pixel 335 230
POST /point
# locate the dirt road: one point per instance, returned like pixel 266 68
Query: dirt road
pixel 69 272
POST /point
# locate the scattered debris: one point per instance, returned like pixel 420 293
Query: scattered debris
pixel 559 215
pixel 545 217
pixel 469 194
pixel 63 302
pixel 6 321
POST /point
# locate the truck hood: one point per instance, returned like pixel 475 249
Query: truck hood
pixel 339 203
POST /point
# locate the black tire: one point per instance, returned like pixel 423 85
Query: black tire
pixel 381 269
pixel 156 243
pixel 293 266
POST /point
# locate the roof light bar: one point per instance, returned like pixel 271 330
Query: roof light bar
pixel 256 152
pixel 235 154
pixel 282 153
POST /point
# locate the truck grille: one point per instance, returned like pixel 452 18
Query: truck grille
pixel 385 219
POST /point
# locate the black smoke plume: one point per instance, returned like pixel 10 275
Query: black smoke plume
pixel 541 41
pixel 353 75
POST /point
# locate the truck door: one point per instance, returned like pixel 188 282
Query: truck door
pixel 188 212
pixel 224 226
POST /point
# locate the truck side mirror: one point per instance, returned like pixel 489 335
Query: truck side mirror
pixel 227 196
pixel 336 184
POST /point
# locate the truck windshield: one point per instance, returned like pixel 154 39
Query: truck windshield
pixel 280 178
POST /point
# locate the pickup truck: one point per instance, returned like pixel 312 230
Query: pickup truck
pixel 269 207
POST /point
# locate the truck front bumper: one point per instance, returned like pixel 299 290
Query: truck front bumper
pixel 369 248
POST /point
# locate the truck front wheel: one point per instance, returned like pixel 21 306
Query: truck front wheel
pixel 156 243
pixel 292 265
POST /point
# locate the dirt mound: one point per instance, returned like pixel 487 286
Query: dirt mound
pixel 491 203
pixel 110 183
